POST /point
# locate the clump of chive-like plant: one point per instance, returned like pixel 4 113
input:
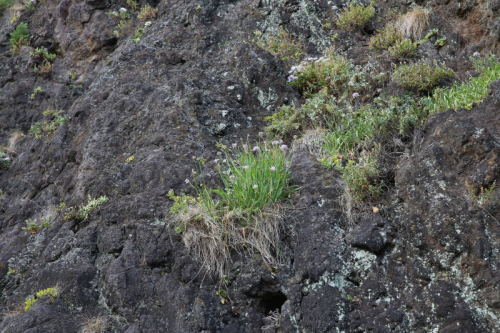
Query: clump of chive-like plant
pixel 245 213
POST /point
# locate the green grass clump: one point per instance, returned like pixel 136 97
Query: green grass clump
pixel 404 48
pixel 4 4
pixel 253 178
pixel 420 75
pixel 331 71
pixel 385 38
pixel 281 44
pixel 360 175
pixel 356 16
pixel 19 37
pixel 468 93
pixel 244 213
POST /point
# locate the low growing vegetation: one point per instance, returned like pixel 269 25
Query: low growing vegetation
pixel 243 214
pixel 403 48
pixel 32 300
pixel 356 16
pixel 42 59
pixel 147 13
pixel 19 38
pixel 346 120
pixel 420 75
pixel 385 38
pixel 4 160
pixel 33 227
pixel 4 4
pixel 47 128
pixel 470 92
pixel 280 43
pixel 82 213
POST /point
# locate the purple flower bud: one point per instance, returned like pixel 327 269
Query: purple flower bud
pixel 255 187
pixel 355 95
pixel 284 147
pixel 351 83
pixel 476 54
pixel 256 148
pixel 273 168
pixel 234 145
pixel 245 167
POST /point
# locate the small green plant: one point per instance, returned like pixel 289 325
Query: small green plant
pixel 33 227
pixel 41 54
pixel 4 4
pixel 4 160
pixel 138 35
pixel 356 16
pixel 440 42
pixel 47 128
pixel 19 37
pixel 331 71
pixel 42 59
pixel 484 195
pixel 11 271
pixel 385 38
pixel 404 48
pixel 31 5
pixel 279 43
pixel 120 27
pixel 361 176
pixel 132 4
pixel 35 92
pixel 72 76
pixel 83 212
pixel 147 13
pixel 430 34
pixel 421 76
pixel 1 193
pixel 33 299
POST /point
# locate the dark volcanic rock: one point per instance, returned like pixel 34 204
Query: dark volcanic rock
pixel 427 263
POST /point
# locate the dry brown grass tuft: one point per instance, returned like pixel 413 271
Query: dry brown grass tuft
pixel 210 241
pixel 98 324
pixel 13 312
pixel 312 142
pixel 147 13
pixel 413 24
pixel 15 136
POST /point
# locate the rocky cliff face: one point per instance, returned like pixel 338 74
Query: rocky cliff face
pixel 427 262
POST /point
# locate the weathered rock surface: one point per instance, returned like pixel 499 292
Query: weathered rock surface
pixel 427 263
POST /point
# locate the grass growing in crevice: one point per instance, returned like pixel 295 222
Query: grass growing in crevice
pixel 280 43
pixel 420 75
pixel 468 93
pixel 348 123
pixel 244 214
pixel 355 16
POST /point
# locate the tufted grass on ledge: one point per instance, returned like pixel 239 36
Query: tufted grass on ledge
pixel 356 16
pixel 280 43
pixel 468 93
pixel 245 213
